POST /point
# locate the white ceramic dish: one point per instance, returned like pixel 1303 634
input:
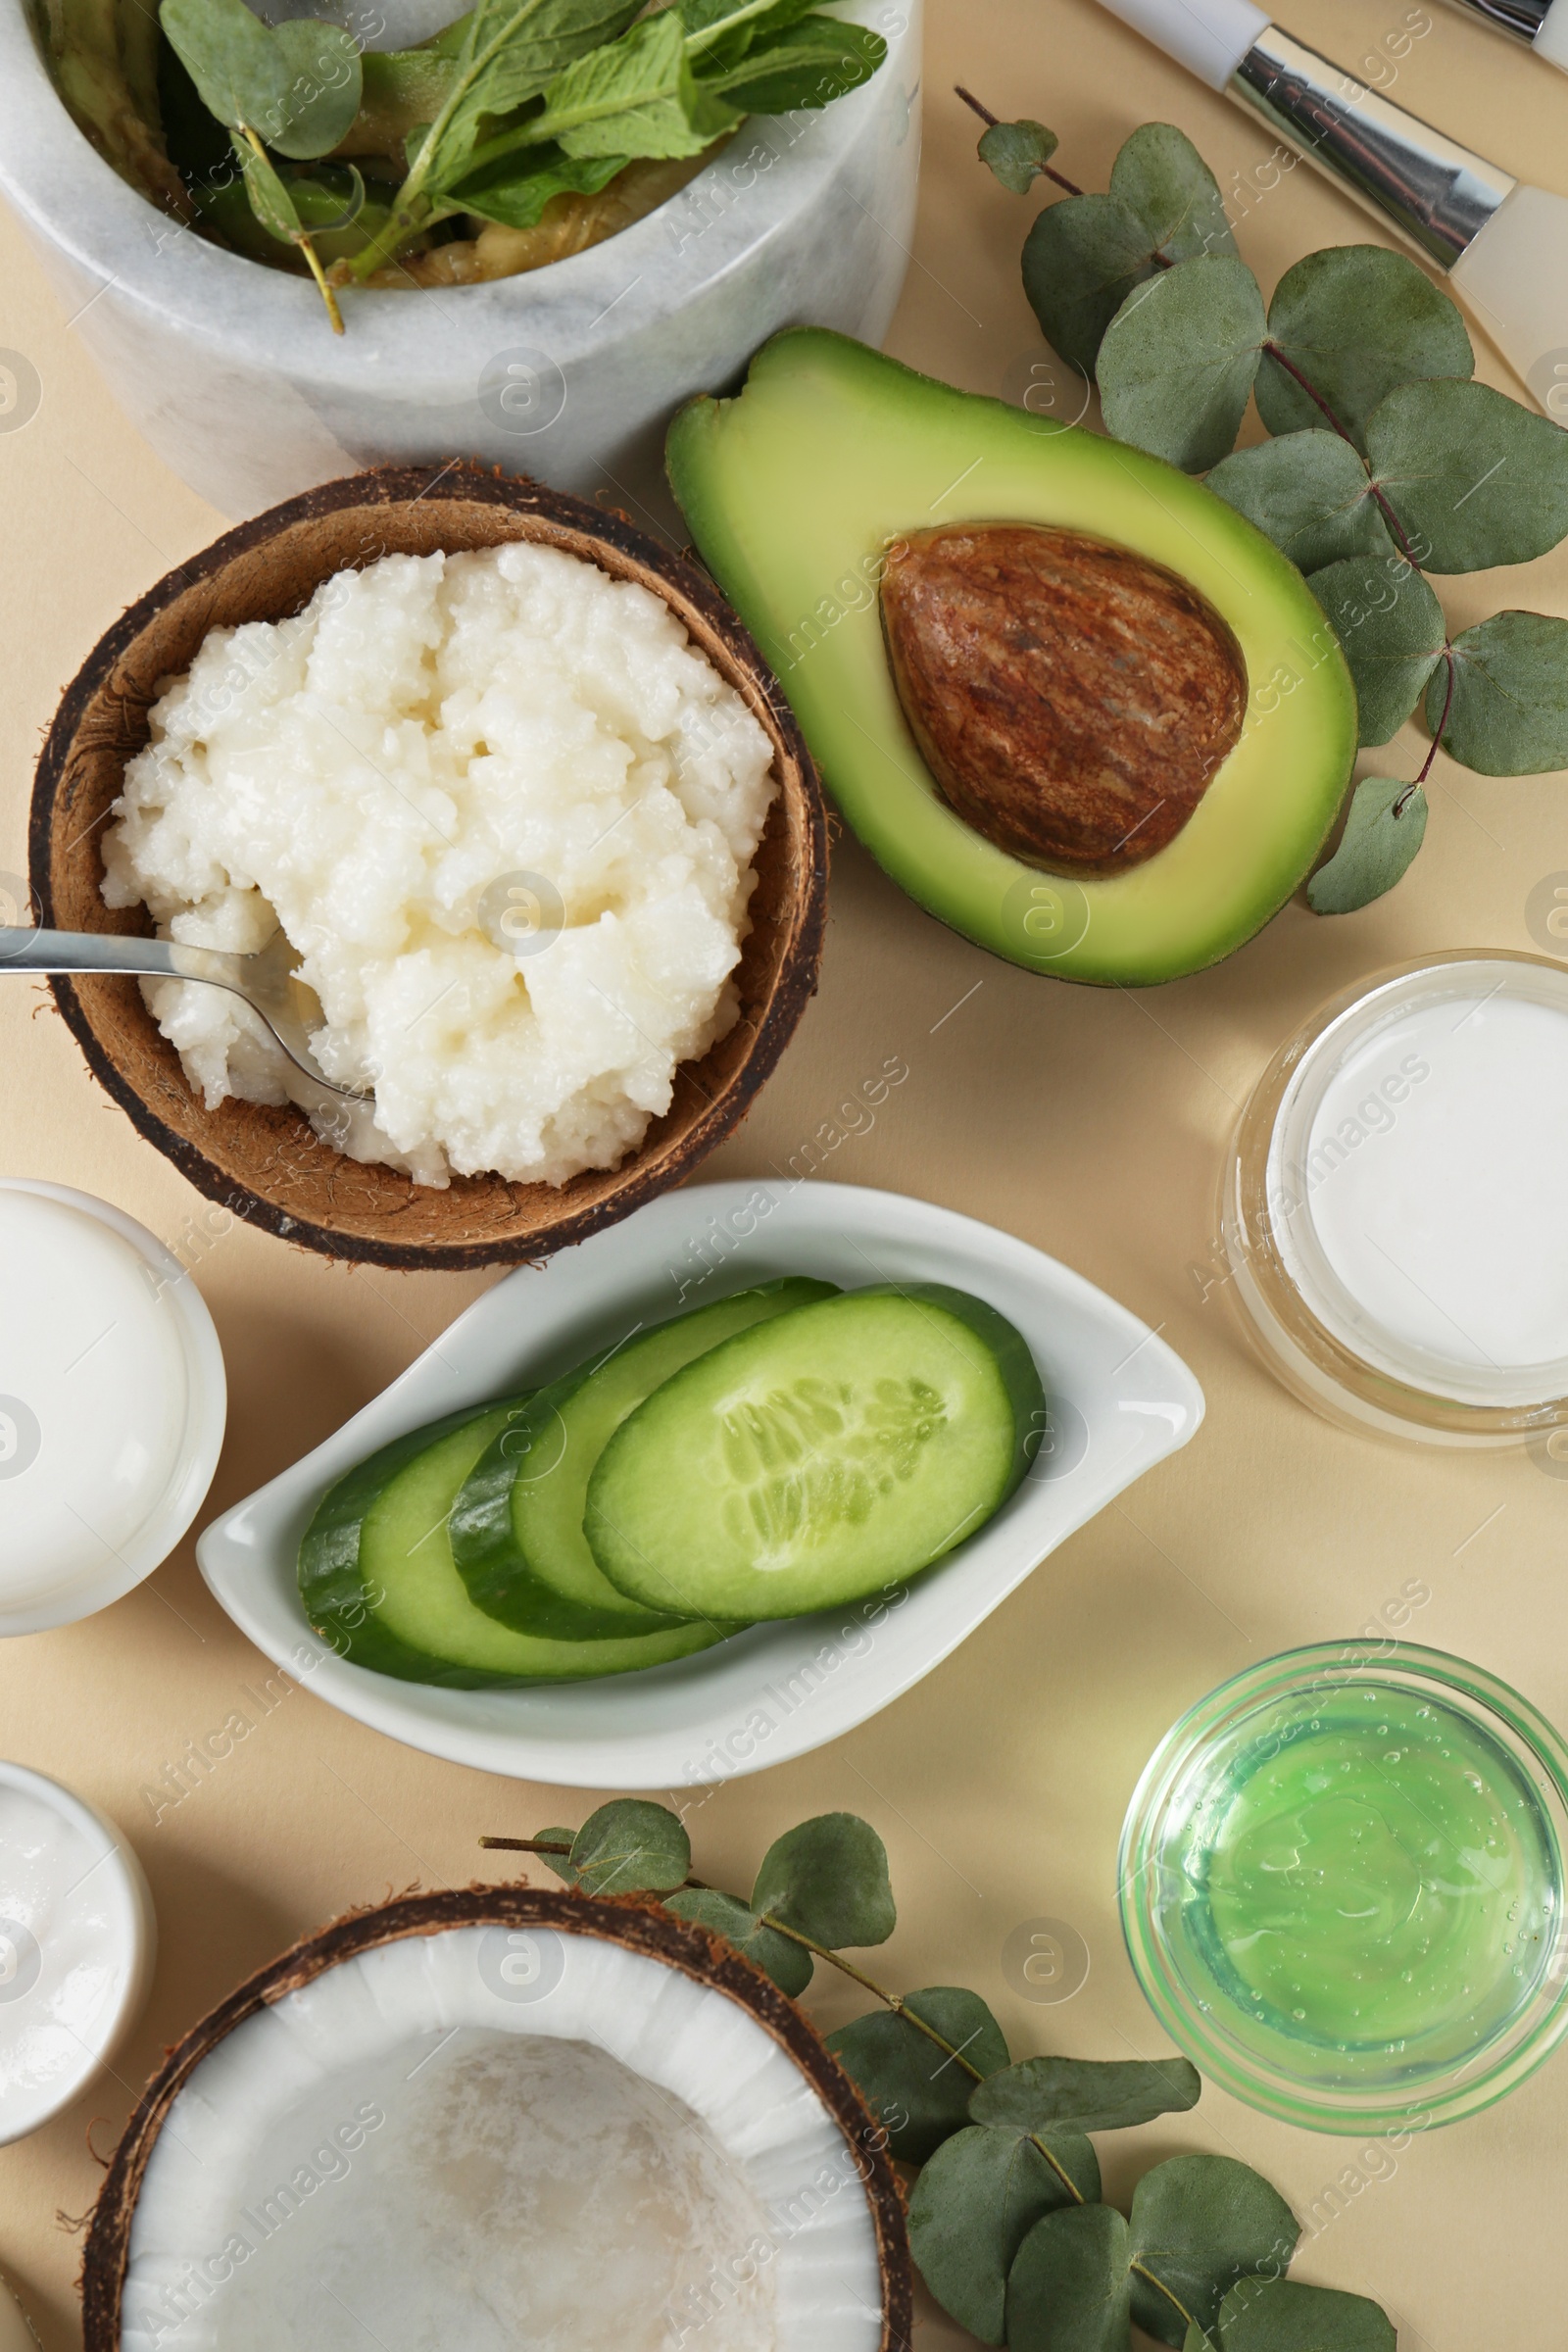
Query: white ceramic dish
pixel 569 374
pixel 56 1564
pixel 777 1690
pixel 87 2008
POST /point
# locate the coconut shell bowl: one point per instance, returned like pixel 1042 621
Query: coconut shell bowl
pixel 266 1164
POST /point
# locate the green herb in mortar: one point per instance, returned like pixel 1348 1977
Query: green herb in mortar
pixel 354 162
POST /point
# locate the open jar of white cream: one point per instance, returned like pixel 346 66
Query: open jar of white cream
pixel 112 1403
pixel 77 1939
pixel 1393 1216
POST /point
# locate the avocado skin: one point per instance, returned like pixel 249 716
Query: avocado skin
pixel 794 489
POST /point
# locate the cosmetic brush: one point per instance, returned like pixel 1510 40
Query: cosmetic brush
pixel 1502 245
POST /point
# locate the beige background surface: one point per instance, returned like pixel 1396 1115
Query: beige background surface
pixel 1090 1123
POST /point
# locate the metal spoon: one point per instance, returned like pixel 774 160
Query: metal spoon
pixel 265 980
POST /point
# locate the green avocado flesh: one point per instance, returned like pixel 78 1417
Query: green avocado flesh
pixel 793 490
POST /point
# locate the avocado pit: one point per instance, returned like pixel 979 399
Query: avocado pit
pixel 1073 699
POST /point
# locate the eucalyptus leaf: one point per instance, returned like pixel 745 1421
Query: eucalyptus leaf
pixel 1068 2289
pixel 1382 834
pixel 1474 478
pixel 297 86
pixel 1199 2224
pixel 1280 2315
pixel 974 2204
pixel 515 189
pixel 808 64
pixel 1356 319
pixel 1391 628
pixel 828 1879
pixel 918 2093
pixel 1510 712
pixel 1017 151
pixel 631 1844
pixel 1178 361
pixel 1081 259
pixel 790 1965
pixel 561 1864
pixel 1309 493
pixel 1088 2095
pixel 1165 183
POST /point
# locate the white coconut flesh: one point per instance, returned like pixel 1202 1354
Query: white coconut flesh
pixel 494 2139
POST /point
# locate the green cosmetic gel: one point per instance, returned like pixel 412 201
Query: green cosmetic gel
pixel 1371 1873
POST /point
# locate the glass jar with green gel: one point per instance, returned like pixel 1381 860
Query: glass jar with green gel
pixel 1342 1886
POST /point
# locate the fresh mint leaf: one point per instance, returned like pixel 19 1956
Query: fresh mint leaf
pixel 638 96
pixel 1356 319
pixel 976 2203
pixel 511 50
pixel 1087 2094
pixel 1474 478
pixel 1199 2224
pixel 1509 716
pixel 808 64
pixel 828 1879
pixel 1016 153
pixel 918 2092
pixel 1165 183
pixel 1309 493
pixel 1178 361
pixel 516 188
pixel 1382 832
pixel 1392 629
pixel 1068 2289
pixel 789 1964
pixel 297 86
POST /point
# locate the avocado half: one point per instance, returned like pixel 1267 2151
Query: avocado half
pixel 794 491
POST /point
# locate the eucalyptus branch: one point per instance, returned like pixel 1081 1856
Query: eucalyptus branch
pixel 1206 2237
pixel 1043 171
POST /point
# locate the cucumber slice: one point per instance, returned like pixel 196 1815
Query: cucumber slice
pixel 516 1527
pixel 815 1458
pixel 410 1615
pixel 417 1596
pixel 331 1586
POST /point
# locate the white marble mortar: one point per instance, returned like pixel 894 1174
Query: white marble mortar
pixel 570 373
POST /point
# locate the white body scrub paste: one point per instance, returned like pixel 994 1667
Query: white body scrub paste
pixel 506 813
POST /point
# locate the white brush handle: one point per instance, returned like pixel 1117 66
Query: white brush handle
pixel 1542 24
pixel 1210 37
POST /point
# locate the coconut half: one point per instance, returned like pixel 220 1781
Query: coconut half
pixel 500 2118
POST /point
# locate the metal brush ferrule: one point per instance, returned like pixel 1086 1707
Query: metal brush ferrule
pixel 1522 18
pixel 1436 192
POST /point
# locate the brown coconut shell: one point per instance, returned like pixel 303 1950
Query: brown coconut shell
pixel 266 1164
pixel 630 1921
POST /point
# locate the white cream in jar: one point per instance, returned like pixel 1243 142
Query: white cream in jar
pixel 1397 1192
pixel 111 1404
pixel 76 1941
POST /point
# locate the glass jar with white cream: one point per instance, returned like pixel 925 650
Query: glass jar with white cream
pixel 1393 1216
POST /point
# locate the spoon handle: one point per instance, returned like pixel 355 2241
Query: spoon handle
pixel 23 949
